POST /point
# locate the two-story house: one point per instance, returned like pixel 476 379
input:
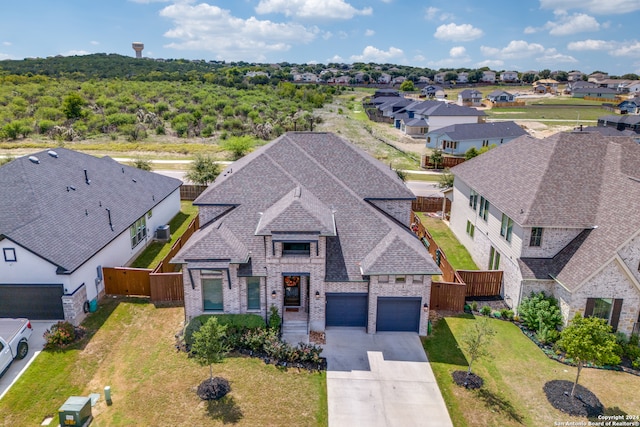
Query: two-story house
pixel 488 76
pixel 470 98
pixel 559 215
pixel 310 224
pixel 509 76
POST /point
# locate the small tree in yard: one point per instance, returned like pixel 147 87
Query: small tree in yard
pixel 203 170
pixel 209 347
pixel 475 340
pixel 446 179
pixel 588 340
pixel 436 158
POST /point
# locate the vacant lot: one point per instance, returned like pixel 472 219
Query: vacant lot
pixel 132 350
pixel 514 375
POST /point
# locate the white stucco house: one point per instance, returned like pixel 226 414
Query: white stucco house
pixel 64 215
pixel 420 117
pixel 559 215
pixel 315 227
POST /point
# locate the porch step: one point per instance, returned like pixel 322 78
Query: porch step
pixel 295 327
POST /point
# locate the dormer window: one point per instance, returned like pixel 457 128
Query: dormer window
pixel 296 248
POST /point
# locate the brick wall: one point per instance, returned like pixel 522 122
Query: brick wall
pixel 73 306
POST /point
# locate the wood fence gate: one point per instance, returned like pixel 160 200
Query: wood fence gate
pixel 126 281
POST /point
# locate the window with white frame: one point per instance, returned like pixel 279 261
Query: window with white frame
pixel 473 199
pixel 536 236
pixel 138 231
pixel 484 208
pixel 494 259
pixel 470 228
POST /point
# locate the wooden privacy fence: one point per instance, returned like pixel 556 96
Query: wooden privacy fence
pixel 482 283
pixel 126 281
pixel 164 266
pixel 447 296
pixel 166 287
pixel 447 162
pixel 458 284
pixel 191 192
pixel 431 204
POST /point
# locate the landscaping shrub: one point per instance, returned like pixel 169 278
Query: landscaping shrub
pixel 507 314
pixel 60 335
pixel 274 318
pixel 474 305
pixel 497 314
pixel 540 310
pixel 485 310
pixel 547 335
pixel 237 325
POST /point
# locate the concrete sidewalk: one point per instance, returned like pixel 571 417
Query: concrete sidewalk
pixel 381 380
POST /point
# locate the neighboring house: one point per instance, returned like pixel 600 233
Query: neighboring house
pixel 551 85
pixel 436 115
pixel 309 224
pixel 500 96
pixel 457 139
pixel 594 92
pixel 632 87
pixel 488 77
pixel 439 78
pixel 629 106
pixel 623 122
pixel 433 91
pixel 463 77
pixel 574 76
pixel 609 131
pixel 384 79
pixel 596 77
pixel 558 215
pixel 64 215
pixel 470 98
pixel 509 76
pixel 571 86
pixel 386 92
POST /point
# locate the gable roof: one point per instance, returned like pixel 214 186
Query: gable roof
pixel 580 180
pixel 498 92
pixel 470 93
pixel 475 131
pixel 50 208
pixel 440 108
pixel 335 181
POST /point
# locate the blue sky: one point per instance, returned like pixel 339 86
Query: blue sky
pixel 520 35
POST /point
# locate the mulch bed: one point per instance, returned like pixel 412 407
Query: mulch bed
pixel 316 337
pixel 583 404
pixel 471 381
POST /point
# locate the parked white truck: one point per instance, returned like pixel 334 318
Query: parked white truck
pixel 14 334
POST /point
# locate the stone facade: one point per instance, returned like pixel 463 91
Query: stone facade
pixel 553 240
pixel 73 306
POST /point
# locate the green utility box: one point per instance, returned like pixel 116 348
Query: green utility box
pixel 76 411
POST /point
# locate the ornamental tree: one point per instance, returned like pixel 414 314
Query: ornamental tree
pixel 476 339
pixel 209 344
pixel 589 340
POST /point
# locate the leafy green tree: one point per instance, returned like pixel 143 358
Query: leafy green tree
pixel 436 158
pixel 401 174
pixel 589 340
pixel 446 179
pixel 209 344
pixel 238 145
pixel 476 339
pixel 72 106
pixel 204 170
pixel 471 153
pixel 407 86
pixel 14 129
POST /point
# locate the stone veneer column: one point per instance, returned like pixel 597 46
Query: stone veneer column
pixel 73 306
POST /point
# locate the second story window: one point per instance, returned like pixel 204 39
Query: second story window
pixel 473 200
pixel 507 227
pixel 296 248
pixel 484 208
pixel 536 236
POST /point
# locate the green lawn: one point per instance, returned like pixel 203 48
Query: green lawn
pixel 572 114
pixel 514 375
pixel 156 251
pixel 458 256
pixel 130 347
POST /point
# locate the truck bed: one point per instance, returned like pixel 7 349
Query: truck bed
pixel 9 328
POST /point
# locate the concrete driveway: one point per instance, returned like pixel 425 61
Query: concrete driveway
pixel 381 379
pixel 36 343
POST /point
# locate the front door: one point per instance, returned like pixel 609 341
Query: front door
pixel 291 291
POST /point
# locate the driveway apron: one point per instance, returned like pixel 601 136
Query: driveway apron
pixel 381 379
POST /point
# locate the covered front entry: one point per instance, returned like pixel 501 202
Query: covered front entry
pixel 36 302
pixel 398 314
pixel 292 294
pixel 346 309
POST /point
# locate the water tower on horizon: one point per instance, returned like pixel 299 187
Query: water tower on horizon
pixel 137 46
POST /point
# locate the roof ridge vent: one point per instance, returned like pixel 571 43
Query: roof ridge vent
pixel 34 159
pixel 52 154
pixel 298 192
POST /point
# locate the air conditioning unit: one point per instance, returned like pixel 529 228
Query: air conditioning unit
pixel 163 233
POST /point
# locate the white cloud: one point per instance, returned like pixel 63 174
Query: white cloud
pixel 149 1
pixel 373 54
pixel 369 33
pixel 433 14
pixel 458 33
pixel 491 63
pixel 419 58
pixel 75 53
pixel 210 28
pixel 457 52
pixel 6 43
pixel 600 7
pixel 335 58
pixel 94 43
pixel 552 56
pixel 515 49
pixel 312 9
pixel 627 49
pixel 327 35
pixel 576 23
pixel 592 45
pixel 531 30
pixel 4 56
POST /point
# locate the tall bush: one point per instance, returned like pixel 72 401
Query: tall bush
pixel 540 311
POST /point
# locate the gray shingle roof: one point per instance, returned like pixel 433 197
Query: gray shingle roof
pixel 439 108
pixel 467 131
pixel 338 178
pixel 578 180
pixel 49 208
